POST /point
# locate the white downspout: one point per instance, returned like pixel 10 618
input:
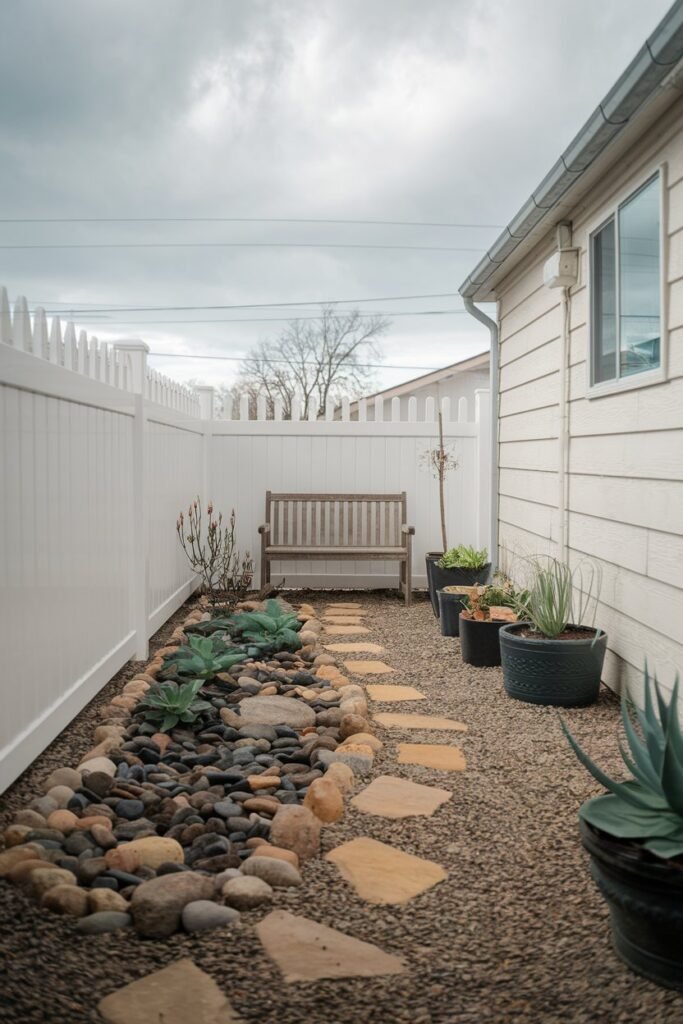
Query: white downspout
pixel 493 386
pixel 563 431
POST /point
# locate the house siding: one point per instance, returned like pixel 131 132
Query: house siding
pixel 625 486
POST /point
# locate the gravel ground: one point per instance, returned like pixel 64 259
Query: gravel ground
pixel 516 934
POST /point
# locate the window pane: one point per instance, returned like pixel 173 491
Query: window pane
pixel 639 292
pixel 604 305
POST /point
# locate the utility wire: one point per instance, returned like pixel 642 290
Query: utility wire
pixel 237 245
pixel 245 358
pixel 257 320
pixel 239 220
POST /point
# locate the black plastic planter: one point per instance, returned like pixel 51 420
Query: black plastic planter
pixel 479 643
pixel 564 673
pixel 645 900
pixel 450 606
pixel 438 578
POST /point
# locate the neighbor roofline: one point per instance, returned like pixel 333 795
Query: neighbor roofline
pixel 628 104
pixel 433 377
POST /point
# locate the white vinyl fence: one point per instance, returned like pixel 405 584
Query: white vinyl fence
pixel 98 454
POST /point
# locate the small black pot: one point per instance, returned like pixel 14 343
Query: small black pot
pixel 645 900
pixel 450 606
pixel 479 644
pixel 563 673
pixel 439 578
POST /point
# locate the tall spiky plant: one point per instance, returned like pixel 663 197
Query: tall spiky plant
pixel 648 807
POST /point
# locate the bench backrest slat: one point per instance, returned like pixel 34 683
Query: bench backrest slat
pixel 336 520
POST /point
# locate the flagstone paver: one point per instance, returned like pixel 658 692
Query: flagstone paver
pixel 390 797
pixel 346 630
pixel 368 668
pixel 379 691
pixel 359 648
pixel 174 995
pixel 382 874
pixel 432 755
pixel 343 620
pixel 399 720
pixel 304 950
pixel 351 605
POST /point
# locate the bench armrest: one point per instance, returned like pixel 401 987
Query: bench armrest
pixel 264 529
pixel 408 529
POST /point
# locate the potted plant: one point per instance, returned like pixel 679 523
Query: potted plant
pixel 461 565
pixel 556 655
pixel 481 621
pixel 440 461
pixel 634 835
pixel 452 600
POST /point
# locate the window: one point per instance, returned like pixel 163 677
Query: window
pixel 625 286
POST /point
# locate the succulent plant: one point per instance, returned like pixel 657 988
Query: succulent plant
pixel 463 557
pixel 648 807
pixel 202 658
pixel 271 630
pixel 222 624
pixel 167 704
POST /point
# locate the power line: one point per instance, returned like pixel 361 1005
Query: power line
pixel 237 245
pixel 242 359
pixel 240 220
pixel 259 320
pixel 74 307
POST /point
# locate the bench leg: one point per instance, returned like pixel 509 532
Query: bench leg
pixel 409 572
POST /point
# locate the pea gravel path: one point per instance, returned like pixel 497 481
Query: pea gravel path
pixel 516 935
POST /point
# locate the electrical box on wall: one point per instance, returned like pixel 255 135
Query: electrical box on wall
pixel 562 269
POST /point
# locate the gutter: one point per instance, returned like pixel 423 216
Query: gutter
pixel 644 78
pixel 493 409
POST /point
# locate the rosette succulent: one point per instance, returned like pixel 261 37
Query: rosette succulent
pixel 168 704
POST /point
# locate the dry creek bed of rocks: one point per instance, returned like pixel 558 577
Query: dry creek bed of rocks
pixel 517 933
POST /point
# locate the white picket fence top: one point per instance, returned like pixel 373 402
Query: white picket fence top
pixel 383 412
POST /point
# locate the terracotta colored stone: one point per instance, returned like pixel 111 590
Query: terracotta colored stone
pixel 407 721
pixel 296 828
pixel 278 853
pixel 262 804
pixel 391 797
pixel 66 899
pixel 389 694
pixel 263 781
pixel 356 648
pixel 9 858
pixel 64 821
pixel 341 775
pixel 383 874
pixel 325 799
pixel 304 950
pixel 174 995
pixel 162 740
pixel 122 858
pixel 432 755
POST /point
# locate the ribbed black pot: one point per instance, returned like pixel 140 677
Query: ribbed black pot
pixel 479 643
pixel 438 578
pixel 645 900
pixel 450 606
pixel 564 673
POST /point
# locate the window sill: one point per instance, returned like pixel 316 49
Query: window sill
pixel 631 383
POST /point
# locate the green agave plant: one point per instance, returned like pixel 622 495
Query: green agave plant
pixel 221 624
pixel 273 629
pixel 463 557
pixel 202 658
pixel 167 704
pixel 648 807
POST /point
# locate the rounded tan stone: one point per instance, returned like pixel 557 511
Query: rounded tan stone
pixel 66 899
pixel 262 804
pixel 98 764
pixel 154 851
pixel 106 899
pixel 122 858
pixel 296 828
pixel 341 775
pixel 350 725
pixel 324 798
pixel 278 853
pixel 15 835
pixel 366 739
pixel 63 777
pixel 31 818
pixel 63 820
pixel 27 851
pixel 93 819
pixel 263 781
pixel 308 637
pixel 356 748
pixel 42 879
pixel 61 795
pixel 105 732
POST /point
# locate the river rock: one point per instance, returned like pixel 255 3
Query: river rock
pixel 61 795
pixel 104 921
pixel 325 800
pixel 277 873
pixel 359 763
pixel 30 818
pixel 153 851
pixel 276 711
pixel 62 820
pixel 42 879
pixel 66 899
pixel 278 853
pixel 10 858
pixel 156 906
pixel 15 835
pixel 297 828
pixel 202 915
pixel 97 764
pixel 63 777
pixel 100 900
pixel 246 892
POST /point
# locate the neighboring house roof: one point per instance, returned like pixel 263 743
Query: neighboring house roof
pixel 650 84
pixel 478 362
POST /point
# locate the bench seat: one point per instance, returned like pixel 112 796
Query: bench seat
pixel 284 552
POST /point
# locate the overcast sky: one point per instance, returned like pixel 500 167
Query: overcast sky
pixel 446 111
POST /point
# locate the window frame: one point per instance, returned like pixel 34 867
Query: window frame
pixel 645 378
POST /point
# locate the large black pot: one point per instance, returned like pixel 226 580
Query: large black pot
pixel 564 673
pixel 479 643
pixel 438 578
pixel 450 606
pixel 645 899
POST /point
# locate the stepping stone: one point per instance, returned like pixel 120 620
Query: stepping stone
pixel 343 620
pixel 174 995
pixel 344 606
pixel 359 648
pixel 391 797
pixel 367 668
pixel 307 951
pixel 382 874
pixel 276 711
pixel 432 755
pixel 392 693
pixel 396 720
pixel 346 630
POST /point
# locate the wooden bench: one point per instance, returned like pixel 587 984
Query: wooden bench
pixel 337 526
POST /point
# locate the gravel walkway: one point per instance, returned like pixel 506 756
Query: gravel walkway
pixel 516 934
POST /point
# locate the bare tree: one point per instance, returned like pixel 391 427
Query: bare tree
pixel 313 361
